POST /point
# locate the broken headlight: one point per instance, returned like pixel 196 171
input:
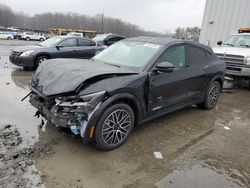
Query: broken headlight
pixel 80 103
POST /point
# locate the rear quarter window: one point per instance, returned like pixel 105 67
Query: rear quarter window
pixel 196 55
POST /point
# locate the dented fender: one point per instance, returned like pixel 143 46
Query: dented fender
pixel 93 121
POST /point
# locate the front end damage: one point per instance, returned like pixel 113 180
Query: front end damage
pixel 73 112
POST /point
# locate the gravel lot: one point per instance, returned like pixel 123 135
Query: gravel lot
pixel 199 148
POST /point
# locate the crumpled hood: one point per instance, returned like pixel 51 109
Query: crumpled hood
pixel 27 48
pixel 58 76
pixel 232 50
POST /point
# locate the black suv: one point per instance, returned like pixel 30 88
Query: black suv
pixel 107 39
pixel 130 82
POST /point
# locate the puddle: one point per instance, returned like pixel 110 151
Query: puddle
pixel 196 177
pixel 231 85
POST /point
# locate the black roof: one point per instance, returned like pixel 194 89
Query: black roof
pixel 155 40
pixel 165 41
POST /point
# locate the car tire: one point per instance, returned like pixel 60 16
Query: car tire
pixel 40 59
pixel 27 38
pixel 9 38
pixel 114 126
pixel 41 39
pixel 212 96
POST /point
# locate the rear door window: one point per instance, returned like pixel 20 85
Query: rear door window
pixel 86 42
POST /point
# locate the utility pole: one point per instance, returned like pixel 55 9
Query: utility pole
pixel 102 22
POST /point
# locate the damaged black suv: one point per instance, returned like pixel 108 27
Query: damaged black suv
pixel 132 81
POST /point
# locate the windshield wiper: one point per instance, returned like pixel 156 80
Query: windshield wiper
pixel 113 65
pixel 229 44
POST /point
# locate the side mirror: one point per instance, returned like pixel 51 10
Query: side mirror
pixel 164 67
pixel 59 46
pixel 219 42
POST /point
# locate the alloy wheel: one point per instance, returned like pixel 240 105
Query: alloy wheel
pixel 116 127
pixel 214 94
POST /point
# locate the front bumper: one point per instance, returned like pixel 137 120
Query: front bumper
pixel 241 71
pixel 75 117
pixel 16 59
pixel 61 121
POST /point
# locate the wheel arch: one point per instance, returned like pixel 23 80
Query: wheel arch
pixel 219 77
pixel 125 98
pixel 41 54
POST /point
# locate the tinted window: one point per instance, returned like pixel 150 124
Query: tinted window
pixel 196 55
pixel 86 42
pixel 114 39
pixel 68 43
pixel 174 55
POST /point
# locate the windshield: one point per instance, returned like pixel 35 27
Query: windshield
pixel 50 42
pixel 238 41
pixel 129 54
pixel 99 38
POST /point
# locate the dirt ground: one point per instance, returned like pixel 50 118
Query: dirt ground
pixel 201 149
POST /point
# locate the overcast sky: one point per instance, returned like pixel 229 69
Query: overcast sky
pixel 153 15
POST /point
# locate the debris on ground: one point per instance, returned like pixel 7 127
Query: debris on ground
pixel 17 164
pixel 158 155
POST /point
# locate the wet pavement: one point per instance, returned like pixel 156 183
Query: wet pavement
pixel 199 148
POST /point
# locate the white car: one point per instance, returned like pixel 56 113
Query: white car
pixel 32 36
pixel 75 34
pixel 6 35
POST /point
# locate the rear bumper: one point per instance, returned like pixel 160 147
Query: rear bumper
pixel 22 61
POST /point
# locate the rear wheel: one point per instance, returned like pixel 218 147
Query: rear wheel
pixel 9 38
pixel 212 95
pixel 27 38
pixel 41 39
pixel 114 126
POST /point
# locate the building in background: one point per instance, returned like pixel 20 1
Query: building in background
pixel 222 18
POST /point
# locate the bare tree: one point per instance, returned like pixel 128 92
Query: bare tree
pixel 187 33
pixel 71 20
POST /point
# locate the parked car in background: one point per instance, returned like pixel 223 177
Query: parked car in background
pixel 56 47
pixel 6 35
pixel 13 28
pixel 75 34
pixel 32 36
pixel 130 82
pixel 108 39
pixel 235 51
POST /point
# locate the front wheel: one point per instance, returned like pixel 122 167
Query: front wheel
pixel 9 38
pixel 41 39
pixel 212 95
pixel 27 38
pixel 40 60
pixel 114 126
